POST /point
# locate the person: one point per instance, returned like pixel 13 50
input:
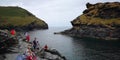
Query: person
pixel 35 43
pixel 29 54
pixel 21 57
pixel 29 57
pixel 34 57
pixel 26 33
pixel 46 47
pixel 28 38
pixel 13 32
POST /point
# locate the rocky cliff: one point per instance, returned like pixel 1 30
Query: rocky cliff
pixel 19 19
pixel 100 20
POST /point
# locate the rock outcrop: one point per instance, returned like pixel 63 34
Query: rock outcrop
pixel 100 20
pixel 19 19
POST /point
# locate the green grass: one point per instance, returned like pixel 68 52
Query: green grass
pixel 96 21
pixel 14 11
pixel 17 16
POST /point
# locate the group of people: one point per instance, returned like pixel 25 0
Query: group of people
pixel 35 43
pixel 27 55
pixel 28 52
pixel 32 48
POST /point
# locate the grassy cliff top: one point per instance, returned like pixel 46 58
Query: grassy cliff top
pixel 106 14
pixel 17 16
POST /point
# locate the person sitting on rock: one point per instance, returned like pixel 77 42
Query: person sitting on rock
pixel 46 47
pixel 29 54
pixel 28 38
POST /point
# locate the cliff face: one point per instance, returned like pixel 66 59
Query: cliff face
pixel 19 19
pixel 100 20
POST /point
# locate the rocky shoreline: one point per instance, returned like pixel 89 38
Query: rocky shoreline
pixel 93 32
pixel 31 26
pixel 17 46
pixel 100 20
pixel 6 43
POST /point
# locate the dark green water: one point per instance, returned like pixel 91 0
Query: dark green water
pixel 78 49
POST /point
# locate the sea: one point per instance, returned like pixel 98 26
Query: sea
pixel 74 48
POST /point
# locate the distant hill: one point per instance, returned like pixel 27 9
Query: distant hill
pixel 19 18
pixel 100 20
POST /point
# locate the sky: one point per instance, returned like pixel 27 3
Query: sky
pixel 54 12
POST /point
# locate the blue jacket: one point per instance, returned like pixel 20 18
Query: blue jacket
pixel 21 57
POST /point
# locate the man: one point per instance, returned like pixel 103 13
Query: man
pixel 35 43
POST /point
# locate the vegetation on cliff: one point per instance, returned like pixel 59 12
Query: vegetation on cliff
pixel 100 20
pixel 104 14
pixel 16 17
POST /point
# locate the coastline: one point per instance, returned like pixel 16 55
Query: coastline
pixel 21 47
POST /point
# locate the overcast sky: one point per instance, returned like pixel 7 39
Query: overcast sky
pixel 54 12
